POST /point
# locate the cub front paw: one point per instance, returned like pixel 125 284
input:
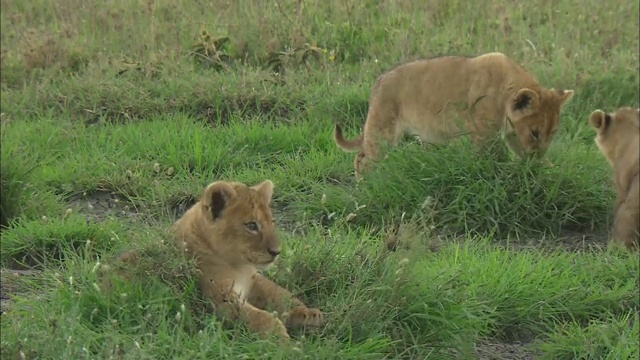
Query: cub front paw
pixel 302 316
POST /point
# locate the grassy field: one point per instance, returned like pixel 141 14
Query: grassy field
pixel 116 114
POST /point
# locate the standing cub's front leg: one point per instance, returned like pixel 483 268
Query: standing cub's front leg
pixel 267 294
pixel 626 222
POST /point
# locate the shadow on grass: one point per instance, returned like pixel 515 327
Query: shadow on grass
pixel 14 174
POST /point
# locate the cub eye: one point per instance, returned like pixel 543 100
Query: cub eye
pixel 535 134
pixel 252 226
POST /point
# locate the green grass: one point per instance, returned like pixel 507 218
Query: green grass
pixel 111 98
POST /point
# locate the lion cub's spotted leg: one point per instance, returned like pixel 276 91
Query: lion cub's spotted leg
pixel 267 294
pixel 627 218
pixel 230 305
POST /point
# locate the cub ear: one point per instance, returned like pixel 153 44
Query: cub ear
pixel 265 189
pixel 216 197
pixel 565 96
pixel 599 120
pixel 524 102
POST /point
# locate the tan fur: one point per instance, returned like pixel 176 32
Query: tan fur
pixel 617 138
pixel 219 232
pixel 441 98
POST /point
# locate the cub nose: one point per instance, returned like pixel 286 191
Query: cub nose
pixel 273 252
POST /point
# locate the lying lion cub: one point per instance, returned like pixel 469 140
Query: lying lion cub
pixel 617 138
pixel 441 98
pixel 231 234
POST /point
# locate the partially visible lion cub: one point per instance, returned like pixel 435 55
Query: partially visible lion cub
pixel 617 137
pixel 441 98
pixel 231 234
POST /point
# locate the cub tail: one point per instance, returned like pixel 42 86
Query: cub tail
pixel 347 145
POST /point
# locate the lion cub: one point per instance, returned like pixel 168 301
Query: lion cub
pixel 441 98
pixel 231 234
pixel 617 138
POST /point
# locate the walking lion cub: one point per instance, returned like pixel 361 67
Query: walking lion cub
pixel 439 99
pixel 230 233
pixel 617 138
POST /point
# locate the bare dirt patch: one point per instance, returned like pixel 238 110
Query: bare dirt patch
pixel 9 285
pixel 178 205
pixel 578 241
pixel 568 240
pixel 492 349
pixel 101 204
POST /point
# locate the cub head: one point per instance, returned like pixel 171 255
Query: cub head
pixel 615 130
pixel 240 224
pixel 533 118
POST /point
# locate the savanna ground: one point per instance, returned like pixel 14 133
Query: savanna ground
pixel 116 114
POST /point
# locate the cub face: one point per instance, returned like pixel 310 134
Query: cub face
pixel 241 219
pixel 614 130
pixel 534 119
